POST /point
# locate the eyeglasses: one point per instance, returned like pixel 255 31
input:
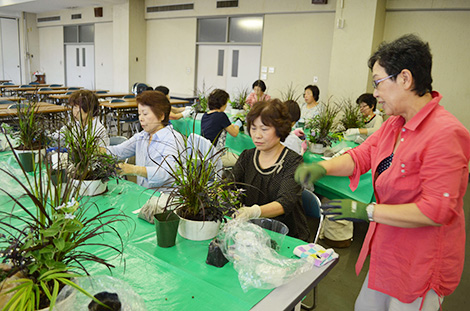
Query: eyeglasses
pixel 375 83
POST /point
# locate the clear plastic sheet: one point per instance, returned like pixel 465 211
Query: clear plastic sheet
pixel 248 247
pixel 69 299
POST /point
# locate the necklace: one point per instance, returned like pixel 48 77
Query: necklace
pixel 276 167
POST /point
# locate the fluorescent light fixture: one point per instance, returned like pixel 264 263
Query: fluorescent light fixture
pixel 13 2
pixel 251 23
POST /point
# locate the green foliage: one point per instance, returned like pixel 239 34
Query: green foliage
pixel 351 117
pixel 29 126
pixel 201 105
pixel 239 99
pixel 54 229
pixel 290 94
pixel 197 192
pixel 87 161
pixel 322 126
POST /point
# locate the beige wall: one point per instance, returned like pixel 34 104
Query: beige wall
pixel 447 34
pixel 353 43
pixel 121 48
pixel 208 8
pixel 298 46
pixel 104 56
pixel 51 53
pixel 137 42
pixel 171 54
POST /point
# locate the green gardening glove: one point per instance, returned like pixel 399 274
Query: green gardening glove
pixel 346 209
pixel 309 173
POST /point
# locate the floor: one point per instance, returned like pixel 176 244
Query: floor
pixel 339 289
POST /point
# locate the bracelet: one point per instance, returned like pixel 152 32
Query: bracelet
pixel 370 211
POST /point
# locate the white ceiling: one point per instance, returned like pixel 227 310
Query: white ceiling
pixel 41 6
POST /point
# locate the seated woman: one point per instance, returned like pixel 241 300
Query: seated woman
pixel 176 112
pixel 311 107
pixel 267 171
pixel 293 140
pixel 259 87
pixel 85 109
pixel 215 125
pixel 367 104
pixel 155 147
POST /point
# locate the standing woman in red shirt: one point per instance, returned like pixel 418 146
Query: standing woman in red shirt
pixel 419 161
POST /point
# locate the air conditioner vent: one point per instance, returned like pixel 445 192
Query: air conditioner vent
pixel 227 4
pixel 174 7
pixel 49 19
pixel 76 16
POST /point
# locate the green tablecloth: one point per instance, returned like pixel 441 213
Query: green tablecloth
pixel 175 278
pixel 336 187
pixel 236 145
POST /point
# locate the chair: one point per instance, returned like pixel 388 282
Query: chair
pixel 25 85
pixel 8 83
pixel 4 101
pixel 73 89
pixel 101 92
pixel 55 85
pixel 16 105
pixel 33 83
pixel 311 204
pixel 129 96
pixel 116 140
pixel 68 93
pixel 131 119
pixel 45 89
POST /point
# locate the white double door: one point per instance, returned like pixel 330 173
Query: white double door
pixel 80 65
pixel 10 68
pixel 229 67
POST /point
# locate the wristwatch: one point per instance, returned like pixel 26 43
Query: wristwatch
pixel 370 211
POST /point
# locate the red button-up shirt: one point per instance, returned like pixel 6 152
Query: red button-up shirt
pixel 429 168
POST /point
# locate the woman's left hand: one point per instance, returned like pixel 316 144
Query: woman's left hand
pixel 248 212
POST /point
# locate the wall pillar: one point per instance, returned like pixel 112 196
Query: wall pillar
pixel 354 40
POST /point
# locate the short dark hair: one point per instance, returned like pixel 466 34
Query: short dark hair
pixel 217 99
pixel 407 52
pixel 369 99
pixel 162 89
pixel 273 113
pixel 261 85
pixel 158 103
pixel 86 100
pixel 315 91
pixel 294 110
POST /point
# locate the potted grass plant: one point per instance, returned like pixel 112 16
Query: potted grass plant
pixel 238 103
pixel 290 94
pixel 351 115
pixel 88 166
pixel 199 196
pixel 322 128
pixel 44 238
pixel 28 129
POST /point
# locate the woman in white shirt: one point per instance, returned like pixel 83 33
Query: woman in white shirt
pixel 311 107
pixel 367 105
pixel 85 105
pixel 156 148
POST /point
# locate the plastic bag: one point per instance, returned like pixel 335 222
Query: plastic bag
pixel 153 206
pixel 69 299
pixel 248 247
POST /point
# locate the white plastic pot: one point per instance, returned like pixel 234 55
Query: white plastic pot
pixel 317 148
pixel 198 230
pixel 90 187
